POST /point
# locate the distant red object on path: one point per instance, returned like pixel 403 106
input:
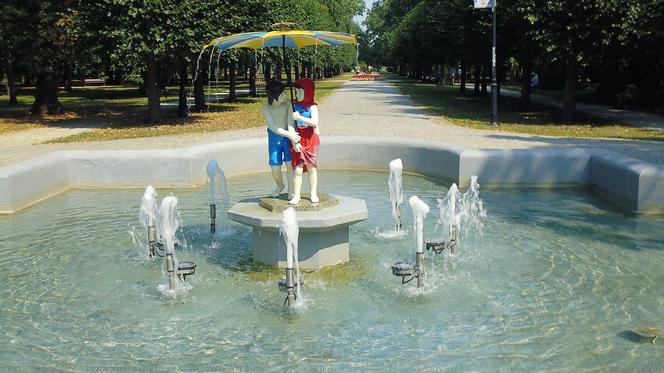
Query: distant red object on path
pixel 366 77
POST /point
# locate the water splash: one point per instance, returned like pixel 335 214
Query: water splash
pixel 464 210
pixel 215 173
pixel 168 222
pixel 147 215
pixel 395 184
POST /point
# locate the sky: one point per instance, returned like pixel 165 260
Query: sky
pixel 367 5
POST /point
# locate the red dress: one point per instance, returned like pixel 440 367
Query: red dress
pixel 308 138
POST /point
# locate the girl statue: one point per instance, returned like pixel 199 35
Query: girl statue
pixel 280 134
pixel 305 153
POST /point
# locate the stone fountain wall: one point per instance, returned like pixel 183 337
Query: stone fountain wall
pixel 634 185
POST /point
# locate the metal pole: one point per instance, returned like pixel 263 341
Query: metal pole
pixel 494 82
pixel 290 286
pixel 420 269
pixel 288 77
pixel 170 271
pixel 213 217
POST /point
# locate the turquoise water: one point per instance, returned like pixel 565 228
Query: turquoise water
pixel 553 282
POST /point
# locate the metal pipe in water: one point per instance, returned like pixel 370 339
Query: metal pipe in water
pixel 290 287
pixel 213 217
pixel 170 271
pixel 398 224
pixel 453 238
pixel 152 241
pixel 420 269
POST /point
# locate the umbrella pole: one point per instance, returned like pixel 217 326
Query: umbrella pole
pixel 287 69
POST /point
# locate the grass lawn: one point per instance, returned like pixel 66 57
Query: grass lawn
pixel 466 110
pixel 119 112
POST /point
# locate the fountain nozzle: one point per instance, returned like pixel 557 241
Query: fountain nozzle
pixel 213 217
pixel 152 241
pixel 438 246
pixel 408 272
pixel 288 286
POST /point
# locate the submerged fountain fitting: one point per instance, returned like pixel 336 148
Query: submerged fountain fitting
pixel 213 217
pixel 287 285
pixel 408 272
pixel 438 246
pixel 186 269
pixel 291 296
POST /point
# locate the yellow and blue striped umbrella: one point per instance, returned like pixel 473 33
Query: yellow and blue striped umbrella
pixel 287 39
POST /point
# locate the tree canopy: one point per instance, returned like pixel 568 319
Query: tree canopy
pixel 568 42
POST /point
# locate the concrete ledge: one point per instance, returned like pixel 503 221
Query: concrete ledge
pixel 632 184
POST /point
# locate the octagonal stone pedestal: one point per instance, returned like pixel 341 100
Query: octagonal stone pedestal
pixel 324 234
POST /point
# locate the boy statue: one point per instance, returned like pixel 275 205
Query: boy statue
pixel 280 133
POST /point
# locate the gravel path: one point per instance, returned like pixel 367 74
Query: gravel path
pixel 362 108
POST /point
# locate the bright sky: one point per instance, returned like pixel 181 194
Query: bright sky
pixel 367 5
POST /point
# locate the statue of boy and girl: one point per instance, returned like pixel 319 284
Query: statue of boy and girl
pixel 293 137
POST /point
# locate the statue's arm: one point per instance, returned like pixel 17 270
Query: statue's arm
pixel 275 127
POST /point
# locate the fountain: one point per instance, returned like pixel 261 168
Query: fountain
pixel 290 231
pixel 563 261
pixel 169 223
pixel 406 269
pixel 148 217
pixel 396 192
pixel 216 173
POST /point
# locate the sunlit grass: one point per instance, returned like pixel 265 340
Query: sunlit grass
pixel 466 110
pixel 119 112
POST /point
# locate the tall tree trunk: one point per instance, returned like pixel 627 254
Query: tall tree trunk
pixel 67 78
pixel 267 70
pixel 462 85
pixel 11 83
pixel 485 79
pixel 232 74
pixel 199 88
pixel 46 95
pixel 252 81
pixel 152 89
pixel 296 67
pixel 183 108
pixel 526 70
pixel 569 101
pixel 478 77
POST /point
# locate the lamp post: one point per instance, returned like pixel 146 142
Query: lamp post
pixel 483 4
pixel 494 81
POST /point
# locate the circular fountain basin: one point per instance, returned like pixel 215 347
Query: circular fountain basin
pixel 552 281
pixel 324 233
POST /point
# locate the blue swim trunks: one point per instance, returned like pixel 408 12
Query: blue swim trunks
pixel 278 148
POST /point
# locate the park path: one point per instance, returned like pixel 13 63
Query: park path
pixel 358 108
pixel 622 116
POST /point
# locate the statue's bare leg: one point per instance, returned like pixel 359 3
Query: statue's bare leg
pixel 278 179
pixel 313 183
pixel 289 176
pixel 297 185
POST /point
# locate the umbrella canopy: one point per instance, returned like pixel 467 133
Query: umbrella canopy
pixel 287 39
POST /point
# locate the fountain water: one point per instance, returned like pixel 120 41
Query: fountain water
pixel 459 211
pixel 396 191
pixel 169 223
pixel 405 269
pixel 148 217
pixel 216 173
pixel 290 230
